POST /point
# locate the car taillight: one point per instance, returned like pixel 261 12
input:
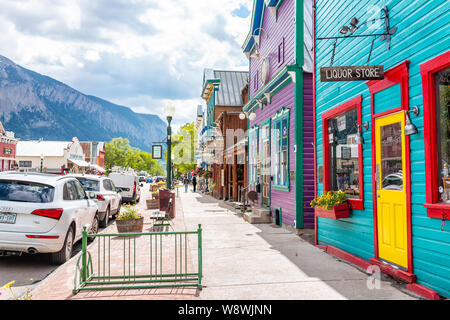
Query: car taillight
pixel 134 189
pixel 100 197
pixel 31 236
pixel 49 213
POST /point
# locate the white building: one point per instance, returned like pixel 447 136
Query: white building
pixel 51 156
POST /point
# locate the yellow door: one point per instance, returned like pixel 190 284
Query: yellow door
pixel 391 191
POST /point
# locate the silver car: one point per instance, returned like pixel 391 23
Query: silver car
pixel 43 213
pixel 103 191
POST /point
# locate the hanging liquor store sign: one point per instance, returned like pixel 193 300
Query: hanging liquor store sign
pixel 351 73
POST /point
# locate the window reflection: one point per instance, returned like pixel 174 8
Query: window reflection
pixel 391 157
pixel 443 132
pixel 343 153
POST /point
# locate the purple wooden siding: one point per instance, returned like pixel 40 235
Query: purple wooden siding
pixel 272 35
pixel 308 150
pixel 283 199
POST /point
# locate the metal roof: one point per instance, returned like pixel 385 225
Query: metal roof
pixel 231 82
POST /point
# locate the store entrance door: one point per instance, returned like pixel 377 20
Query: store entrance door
pixel 265 160
pixel 390 182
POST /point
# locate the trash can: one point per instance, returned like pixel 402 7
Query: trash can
pixel 164 196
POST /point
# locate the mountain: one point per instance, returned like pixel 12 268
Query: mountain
pixel 36 106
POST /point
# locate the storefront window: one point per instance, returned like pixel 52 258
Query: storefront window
pixel 343 154
pixel 253 156
pixel 442 79
pixel 281 150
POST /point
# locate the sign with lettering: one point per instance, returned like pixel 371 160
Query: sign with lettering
pixel 351 73
pixel 157 152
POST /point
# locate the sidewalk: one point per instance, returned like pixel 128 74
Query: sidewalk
pixel 244 261
pixel 240 261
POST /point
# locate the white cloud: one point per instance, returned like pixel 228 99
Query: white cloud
pixel 138 53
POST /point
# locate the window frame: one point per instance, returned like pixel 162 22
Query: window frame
pixel 355 103
pixel 428 70
pixel 284 113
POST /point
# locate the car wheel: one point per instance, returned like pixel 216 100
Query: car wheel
pixel 104 222
pixel 94 228
pixel 65 253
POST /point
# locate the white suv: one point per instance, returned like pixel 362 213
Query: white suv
pixel 104 192
pixel 43 213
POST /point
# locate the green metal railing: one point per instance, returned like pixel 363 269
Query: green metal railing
pixel 149 260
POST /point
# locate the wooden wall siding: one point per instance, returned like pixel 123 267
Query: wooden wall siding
pixel 283 199
pixel 308 150
pixel 284 27
pixel 423 33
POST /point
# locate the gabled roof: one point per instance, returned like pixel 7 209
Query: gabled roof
pixel 228 86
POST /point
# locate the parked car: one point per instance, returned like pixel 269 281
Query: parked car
pixel 142 178
pixel 130 188
pixel 43 213
pixel 104 192
pixel 393 181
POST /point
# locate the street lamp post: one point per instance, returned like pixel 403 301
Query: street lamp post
pixel 42 163
pixel 169 111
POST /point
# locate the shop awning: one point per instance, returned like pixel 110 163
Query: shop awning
pixel 80 163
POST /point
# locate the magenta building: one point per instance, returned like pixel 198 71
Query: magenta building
pixel 280 110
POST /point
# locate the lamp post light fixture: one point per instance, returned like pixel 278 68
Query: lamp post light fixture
pixel 251 116
pixel 42 163
pixel 169 111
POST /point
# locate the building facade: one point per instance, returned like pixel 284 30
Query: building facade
pixel 94 153
pixel 222 93
pixel 57 157
pixel 280 110
pixel 397 176
pixel 8 145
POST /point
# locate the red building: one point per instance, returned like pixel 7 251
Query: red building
pixel 7 150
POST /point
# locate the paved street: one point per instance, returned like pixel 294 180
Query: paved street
pixel 240 261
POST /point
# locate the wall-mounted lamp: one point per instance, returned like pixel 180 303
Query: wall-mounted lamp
pixel 255 54
pixel 359 137
pixel 410 128
pixel 251 116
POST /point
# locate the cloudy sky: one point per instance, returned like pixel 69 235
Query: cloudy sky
pixel 136 53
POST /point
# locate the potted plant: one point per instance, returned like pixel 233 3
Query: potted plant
pixel 331 205
pixel 129 220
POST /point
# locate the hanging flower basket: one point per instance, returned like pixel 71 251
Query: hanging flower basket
pixel 331 205
pixel 336 212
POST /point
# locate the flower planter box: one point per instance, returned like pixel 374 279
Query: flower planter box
pixel 337 212
pixel 152 203
pixel 130 226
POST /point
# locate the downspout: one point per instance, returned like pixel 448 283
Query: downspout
pixel 298 114
pixel 314 115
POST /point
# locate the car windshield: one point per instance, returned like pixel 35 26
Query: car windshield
pixel 23 191
pixel 89 185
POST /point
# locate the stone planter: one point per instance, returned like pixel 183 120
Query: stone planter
pixel 152 203
pixel 337 212
pixel 130 226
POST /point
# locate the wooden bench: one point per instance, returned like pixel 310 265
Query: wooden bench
pixel 163 218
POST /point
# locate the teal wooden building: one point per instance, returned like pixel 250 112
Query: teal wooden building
pixel 386 142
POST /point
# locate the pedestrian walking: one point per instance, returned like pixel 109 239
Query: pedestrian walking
pixel 194 182
pixel 186 184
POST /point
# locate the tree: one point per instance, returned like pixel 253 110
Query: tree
pixel 183 148
pixel 118 152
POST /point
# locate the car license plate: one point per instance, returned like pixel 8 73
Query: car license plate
pixel 8 217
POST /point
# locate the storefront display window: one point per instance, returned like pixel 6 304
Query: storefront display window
pixel 442 80
pixel 436 104
pixel 281 149
pixel 342 163
pixel 343 154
